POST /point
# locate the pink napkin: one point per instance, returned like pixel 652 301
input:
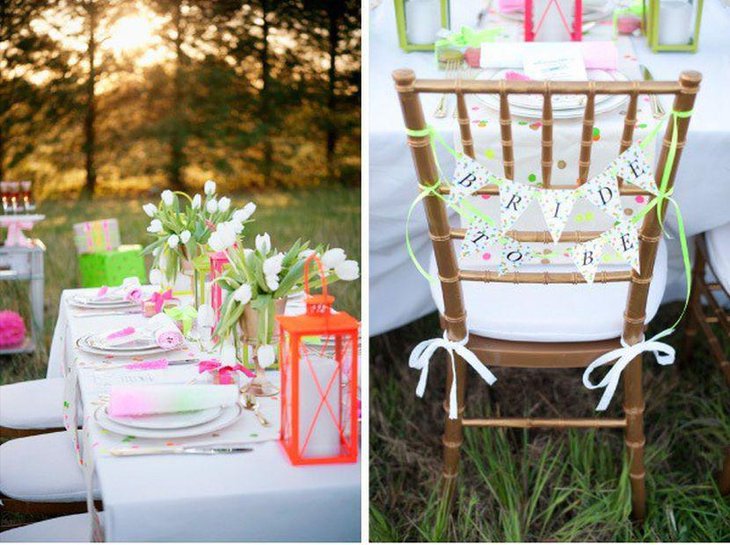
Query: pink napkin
pixel 507 6
pixel 596 55
pixel 166 333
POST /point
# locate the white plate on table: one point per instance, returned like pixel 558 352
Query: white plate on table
pixel 98 342
pixel 531 105
pixel 85 301
pixel 227 417
pixel 168 421
pixel 83 344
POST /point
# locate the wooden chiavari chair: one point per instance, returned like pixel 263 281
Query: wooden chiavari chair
pixel 503 353
pixel 698 318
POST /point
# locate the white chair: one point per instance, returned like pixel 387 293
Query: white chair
pixel 40 474
pixel 30 407
pixel 68 529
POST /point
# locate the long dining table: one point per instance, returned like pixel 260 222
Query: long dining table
pixel 252 496
pixel 398 293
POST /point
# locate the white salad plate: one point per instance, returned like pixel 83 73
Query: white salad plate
pixel 144 342
pixel 227 417
pixel 530 106
pixel 168 421
pixel 83 344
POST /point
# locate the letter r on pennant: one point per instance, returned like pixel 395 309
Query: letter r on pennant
pixel 513 201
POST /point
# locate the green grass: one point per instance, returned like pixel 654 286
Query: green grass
pixel 545 485
pixel 330 215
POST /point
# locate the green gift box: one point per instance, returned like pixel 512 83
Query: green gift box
pixel 111 268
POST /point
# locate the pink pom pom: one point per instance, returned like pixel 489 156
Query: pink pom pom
pixel 12 329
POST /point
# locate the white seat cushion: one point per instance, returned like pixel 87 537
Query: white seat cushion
pixel 718 249
pixel 552 313
pixel 32 405
pixel 68 529
pixel 42 468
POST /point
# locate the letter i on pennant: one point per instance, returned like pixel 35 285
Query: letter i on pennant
pixel 556 205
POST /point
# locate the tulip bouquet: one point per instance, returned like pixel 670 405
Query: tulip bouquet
pixel 185 228
pixel 257 283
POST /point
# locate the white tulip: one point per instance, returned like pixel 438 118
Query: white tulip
pixel 263 243
pixel 266 355
pixel 196 202
pixel 247 253
pixel 156 251
pixel 333 257
pixel 242 294
pixel 237 227
pixel 224 237
pixel 212 206
pixel 173 241
pixel 216 242
pixel 272 281
pixel 155 277
pixel 150 209
pixel 155 226
pixel 272 265
pixel 347 270
pixel 304 254
pixel 209 187
pixel 244 213
pixel 167 197
pixel 224 204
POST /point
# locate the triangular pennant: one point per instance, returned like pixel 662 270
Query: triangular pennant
pixel 633 167
pixel 587 257
pixel 469 175
pixel 514 198
pixel 556 205
pixel 603 192
pixel 624 238
pixel 479 235
pixel 513 255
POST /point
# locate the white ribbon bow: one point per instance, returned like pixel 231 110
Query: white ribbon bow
pixel 664 356
pixel 421 357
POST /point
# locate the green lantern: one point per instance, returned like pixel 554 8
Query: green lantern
pixel 673 25
pixel 419 22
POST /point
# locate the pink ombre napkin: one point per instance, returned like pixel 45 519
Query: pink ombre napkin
pixel 596 55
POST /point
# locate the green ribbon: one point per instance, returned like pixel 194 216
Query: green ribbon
pixel 185 314
pixel 468 37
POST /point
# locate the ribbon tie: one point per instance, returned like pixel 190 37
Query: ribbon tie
pixel 225 372
pixel 420 359
pixel 185 314
pixel 159 298
pixel 468 37
pixel 664 356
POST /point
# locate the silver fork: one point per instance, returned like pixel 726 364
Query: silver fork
pixel 451 70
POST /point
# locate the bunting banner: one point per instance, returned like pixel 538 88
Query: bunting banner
pixel 587 257
pixel 556 206
pixel 514 254
pixel 624 238
pixel 478 237
pixel 633 168
pixel 469 176
pixel 602 191
pixel 514 198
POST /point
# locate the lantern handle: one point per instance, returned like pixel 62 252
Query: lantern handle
pixel 322 275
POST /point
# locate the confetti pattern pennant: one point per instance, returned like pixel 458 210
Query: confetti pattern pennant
pixel 633 167
pixel 624 238
pixel 513 255
pixel 469 176
pixel 602 191
pixel 556 205
pixel 514 198
pixel 478 237
pixel 587 257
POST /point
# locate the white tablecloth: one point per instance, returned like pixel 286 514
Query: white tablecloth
pixel 398 294
pixel 257 496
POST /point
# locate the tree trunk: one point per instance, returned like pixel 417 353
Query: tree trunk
pixel 2 156
pixel 90 119
pixel 265 99
pixel 334 26
pixel 177 134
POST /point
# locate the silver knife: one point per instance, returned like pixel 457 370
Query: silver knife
pixel 178 450
pixel 656 107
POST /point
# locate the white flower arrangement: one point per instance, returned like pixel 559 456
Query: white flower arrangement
pixel 186 228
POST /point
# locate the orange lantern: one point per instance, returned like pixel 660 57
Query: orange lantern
pixel 318 354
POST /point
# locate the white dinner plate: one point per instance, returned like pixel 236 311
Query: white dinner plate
pixel 85 302
pixel 168 421
pixel 603 103
pixel 83 344
pixel 227 417
pixel 141 343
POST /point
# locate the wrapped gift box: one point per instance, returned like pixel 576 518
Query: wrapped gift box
pixel 110 268
pixel 96 236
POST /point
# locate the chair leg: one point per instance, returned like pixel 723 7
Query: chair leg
pixel 690 334
pixel 723 478
pixel 453 432
pixel 635 440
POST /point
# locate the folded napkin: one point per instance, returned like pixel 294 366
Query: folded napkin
pixel 508 6
pixel 596 55
pixel 139 400
pixel 130 290
pixel 164 330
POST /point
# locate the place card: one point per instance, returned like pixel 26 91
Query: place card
pixel 554 62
